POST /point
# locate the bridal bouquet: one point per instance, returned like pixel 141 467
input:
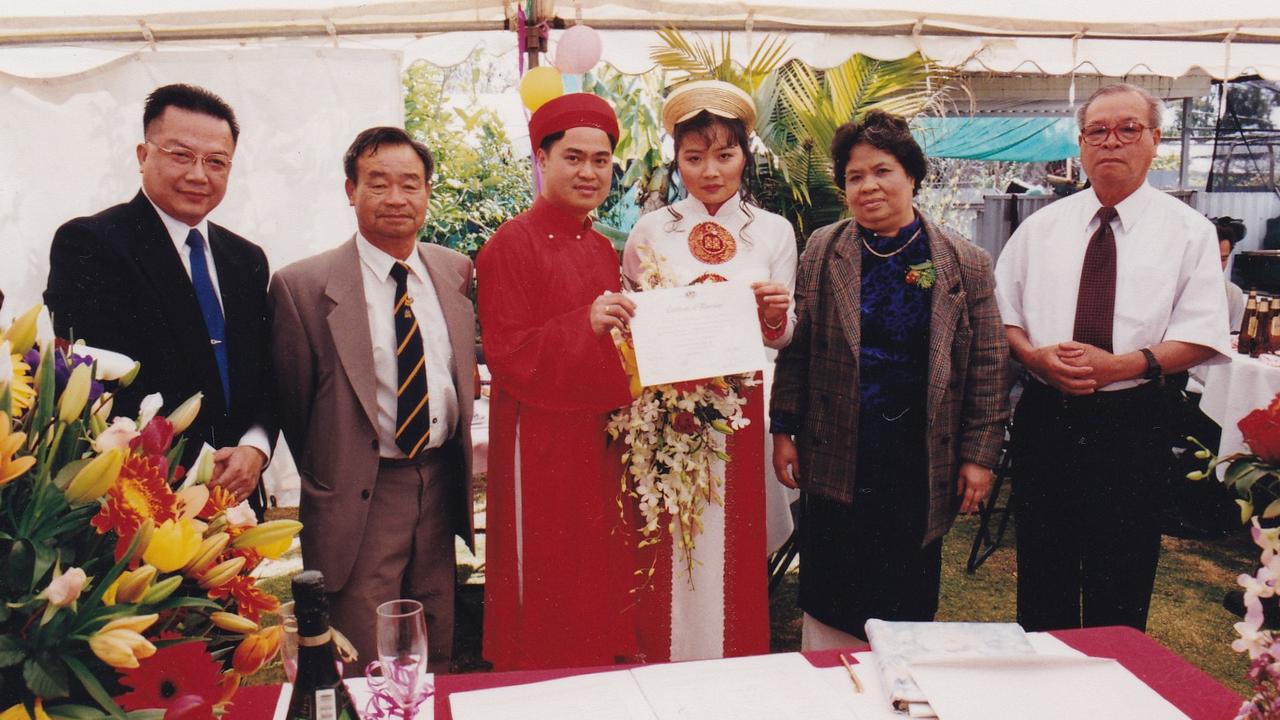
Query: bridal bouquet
pixel 124 579
pixel 674 434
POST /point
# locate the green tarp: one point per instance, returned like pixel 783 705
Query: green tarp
pixel 1034 139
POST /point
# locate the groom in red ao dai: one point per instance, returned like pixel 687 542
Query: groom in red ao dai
pixel 559 563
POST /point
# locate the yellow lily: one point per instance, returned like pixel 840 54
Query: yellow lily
pixel 172 545
pixel 101 412
pixel 10 443
pixel 75 394
pixel 274 550
pixel 234 623
pixel 185 414
pixel 210 548
pixel 267 534
pixel 120 643
pixel 109 595
pixel 22 333
pixel 134 584
pixel 96 478
pixel 222 573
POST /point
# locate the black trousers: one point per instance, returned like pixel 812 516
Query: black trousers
pixel 1089 474
pixel 865 560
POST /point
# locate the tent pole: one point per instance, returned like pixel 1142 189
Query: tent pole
pixel 1186 143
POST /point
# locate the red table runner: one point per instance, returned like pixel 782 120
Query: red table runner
pixel 1178 681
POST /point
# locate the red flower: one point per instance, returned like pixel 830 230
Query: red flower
pixel 912 277
pixel 685 422
pixel 220 499
pixel 251 602
pixel 175 672
pixel 139 494
pixel 1261 431
pixel 189 707
pixel 155 437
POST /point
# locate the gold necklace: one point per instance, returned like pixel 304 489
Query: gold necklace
pixel 905 245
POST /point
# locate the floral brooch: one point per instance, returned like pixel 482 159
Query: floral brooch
pixel 922 275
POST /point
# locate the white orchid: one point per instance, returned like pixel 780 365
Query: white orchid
pixel 111 365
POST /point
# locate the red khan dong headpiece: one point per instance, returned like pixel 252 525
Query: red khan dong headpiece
pixel 571 111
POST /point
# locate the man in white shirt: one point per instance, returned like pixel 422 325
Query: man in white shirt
pixel 374 346
pixel 155 280
pixel 1102 295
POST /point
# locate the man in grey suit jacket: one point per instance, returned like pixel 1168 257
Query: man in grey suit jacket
pixel 374 349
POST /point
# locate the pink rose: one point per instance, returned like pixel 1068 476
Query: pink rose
pixel 65 588
pixel 121 432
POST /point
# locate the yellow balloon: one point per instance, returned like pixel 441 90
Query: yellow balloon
pixel 539 85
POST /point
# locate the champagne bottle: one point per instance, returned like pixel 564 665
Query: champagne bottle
pixel 1259 344
pixel 1248 325
pixel 318 692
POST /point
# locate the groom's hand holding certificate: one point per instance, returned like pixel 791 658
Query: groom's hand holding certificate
pixel 695 332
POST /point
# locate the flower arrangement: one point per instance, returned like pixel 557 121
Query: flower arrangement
pixel 124 579
pixel 674 434
pixel 1255 476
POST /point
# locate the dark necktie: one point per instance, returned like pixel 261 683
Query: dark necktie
pixel 413 415
pixel 1096 301
pixel 210 308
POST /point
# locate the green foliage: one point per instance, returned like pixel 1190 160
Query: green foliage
pixel 637 100
pixel 799 108
pixel 480 181
pixel 698 60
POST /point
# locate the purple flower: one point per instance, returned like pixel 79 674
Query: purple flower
pixel 62 370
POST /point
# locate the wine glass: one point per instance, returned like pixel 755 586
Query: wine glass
pixel 402 653
pixel 289 643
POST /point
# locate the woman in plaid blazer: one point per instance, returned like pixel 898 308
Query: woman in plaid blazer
pixel 890 402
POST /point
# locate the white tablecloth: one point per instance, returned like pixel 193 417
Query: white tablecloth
pixel 1233 390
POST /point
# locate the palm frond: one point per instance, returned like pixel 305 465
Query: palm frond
pixel 765 59
pixel 679 53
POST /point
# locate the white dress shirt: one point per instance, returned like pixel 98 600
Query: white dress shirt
pixel 380 299
pixel 255 436
pixel 1168 274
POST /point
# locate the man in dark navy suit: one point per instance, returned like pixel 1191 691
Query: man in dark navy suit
pixel 154 279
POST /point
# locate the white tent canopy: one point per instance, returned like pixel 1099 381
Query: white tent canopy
pixel 1221 39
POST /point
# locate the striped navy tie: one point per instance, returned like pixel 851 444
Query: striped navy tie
pixel 413 415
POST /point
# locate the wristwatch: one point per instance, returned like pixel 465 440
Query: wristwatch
pixel 1154 371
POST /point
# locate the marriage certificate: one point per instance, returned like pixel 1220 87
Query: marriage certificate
pixel 695 332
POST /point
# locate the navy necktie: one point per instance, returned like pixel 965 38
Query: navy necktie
pixel 413 414
pixel 210 308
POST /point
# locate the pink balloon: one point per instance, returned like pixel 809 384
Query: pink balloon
pixel 578 50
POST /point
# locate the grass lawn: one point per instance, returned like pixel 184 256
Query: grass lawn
pixel 1186 615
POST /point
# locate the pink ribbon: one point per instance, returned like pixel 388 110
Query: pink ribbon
pixel 383 704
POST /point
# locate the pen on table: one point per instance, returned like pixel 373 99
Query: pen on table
pixel 857 684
